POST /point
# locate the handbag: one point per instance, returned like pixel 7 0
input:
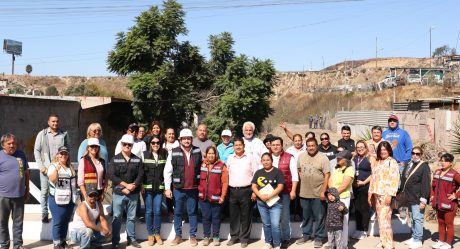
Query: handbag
pixel 401 200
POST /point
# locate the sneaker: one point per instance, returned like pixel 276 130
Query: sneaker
pixel 231 242
pixel 206 241
pixel 437 245
pixel 363 236
pixel 318 244
pixel 216 241
pixel 193 241
pixel 177 240
pixel 409 241
pixel 267 246
pixel 415 245
pixel 445 246
pixel 302 241
pixel 135 244
pixel 64 245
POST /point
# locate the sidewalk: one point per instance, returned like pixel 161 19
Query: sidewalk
pixel 368 243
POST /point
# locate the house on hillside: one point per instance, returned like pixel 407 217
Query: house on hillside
pixel 431 119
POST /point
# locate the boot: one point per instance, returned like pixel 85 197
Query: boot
pixel 150 241
pixel 158 239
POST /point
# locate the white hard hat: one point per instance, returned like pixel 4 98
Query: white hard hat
pixel 185 133
pixel 226 133
pixel 127 139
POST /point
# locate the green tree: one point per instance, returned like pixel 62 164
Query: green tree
pixel 82 90
pixel 51 91
pixel 244 86
pixel 444 51
pixel 166 75
pixel 29 68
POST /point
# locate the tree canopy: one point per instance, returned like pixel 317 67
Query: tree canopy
pixel 171 80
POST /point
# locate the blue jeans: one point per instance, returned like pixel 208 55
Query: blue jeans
pixel 286 217
pixel 153 212
pixel 211 214
pixel 61 218
pixel 313 210
pixel 190 198
pixel 271 217
pixel 118 205
pixel 44 192
pixel 86 237
pixel 417 222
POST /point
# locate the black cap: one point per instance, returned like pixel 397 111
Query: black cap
pixel 133 127
pixel 63 148
pixel 91 189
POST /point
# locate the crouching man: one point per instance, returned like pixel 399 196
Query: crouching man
pixel 89 224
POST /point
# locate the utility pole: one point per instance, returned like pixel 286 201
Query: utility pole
pixel 12 64
pixel 376 49
pixel 323 61
pixel 458 36
pixel 431 28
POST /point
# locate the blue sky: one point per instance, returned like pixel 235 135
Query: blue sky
pixel 73 37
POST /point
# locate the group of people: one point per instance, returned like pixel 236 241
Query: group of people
pixel 321 180
pixel 316 121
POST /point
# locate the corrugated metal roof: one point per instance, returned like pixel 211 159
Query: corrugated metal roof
pixel 364 117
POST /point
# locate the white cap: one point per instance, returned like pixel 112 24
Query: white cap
pixel 185 133
pixel 127 139
pixel 226 133
pixel 93 141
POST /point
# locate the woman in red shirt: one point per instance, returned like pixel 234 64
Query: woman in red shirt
pixel 444 194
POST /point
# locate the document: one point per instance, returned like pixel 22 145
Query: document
pixel 267 190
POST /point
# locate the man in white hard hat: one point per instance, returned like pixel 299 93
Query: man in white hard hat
pixel 126 172
pixel 182 169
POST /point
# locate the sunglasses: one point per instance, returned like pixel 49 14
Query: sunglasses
pixel 126 145
pixel 392 120
pixel 416 153
pixel 97 131
pixel 155 143
pixel 94 146
pixel 324 138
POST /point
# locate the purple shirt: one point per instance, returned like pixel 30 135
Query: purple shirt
pixel 12 177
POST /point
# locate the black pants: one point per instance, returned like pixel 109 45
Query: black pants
pixel 15 208
pixel 240 205
pixel 362 208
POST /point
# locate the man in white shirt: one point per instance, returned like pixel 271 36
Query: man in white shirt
pixel 253 145
pixel 138 146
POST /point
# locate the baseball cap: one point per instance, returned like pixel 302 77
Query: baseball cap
pixel 63 149
pixel 127 139
pixel 91 189
pixel 226 133
pixel 134 127
pixel 93 141
pixel 185 133
pixel 392 116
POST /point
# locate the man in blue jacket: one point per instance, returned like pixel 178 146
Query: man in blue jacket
pixel 399 139
pixel 402 147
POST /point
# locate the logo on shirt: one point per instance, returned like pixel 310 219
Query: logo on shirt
pixel 21 166
pixel 262 181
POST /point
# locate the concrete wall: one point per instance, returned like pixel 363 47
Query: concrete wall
pixel 25 117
